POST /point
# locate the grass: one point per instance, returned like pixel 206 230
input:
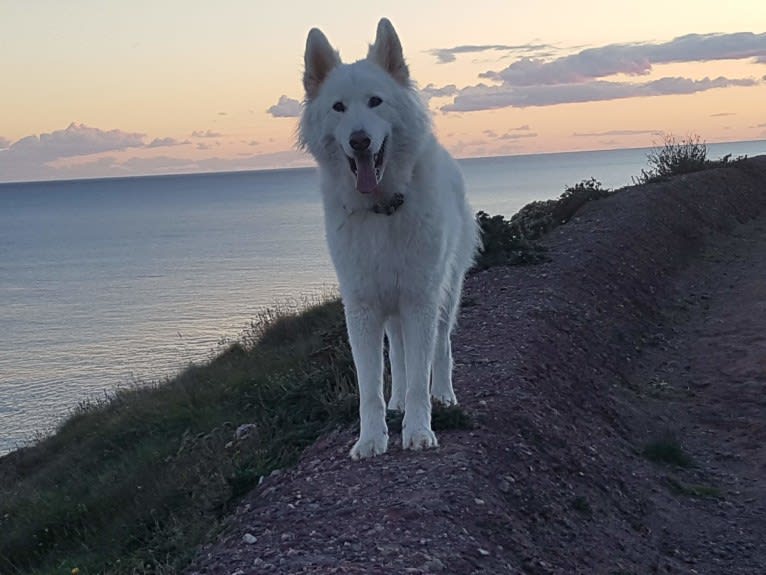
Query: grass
pixel 667 450
pixel 698 491
pixel 132 483
pixel 581 505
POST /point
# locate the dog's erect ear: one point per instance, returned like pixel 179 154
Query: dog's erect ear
pixel 319 59
pixel 387 52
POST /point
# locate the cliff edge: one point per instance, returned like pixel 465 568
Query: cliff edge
pixel 617 399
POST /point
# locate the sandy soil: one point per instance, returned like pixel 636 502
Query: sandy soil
pixel 649 322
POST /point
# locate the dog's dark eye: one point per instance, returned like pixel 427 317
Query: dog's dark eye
pixel 339 107
pixel 374 102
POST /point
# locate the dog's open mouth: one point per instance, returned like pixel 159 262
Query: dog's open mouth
pixel 368 168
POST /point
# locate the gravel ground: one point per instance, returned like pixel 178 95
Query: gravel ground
pixel 648 323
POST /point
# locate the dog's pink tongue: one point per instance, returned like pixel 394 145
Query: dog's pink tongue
pixel 365 174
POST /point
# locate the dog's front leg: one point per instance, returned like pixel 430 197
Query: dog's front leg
pixel 398 372
pixel 419 331
pixel 365 334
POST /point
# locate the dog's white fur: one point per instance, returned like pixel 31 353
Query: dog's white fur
pixel 402 273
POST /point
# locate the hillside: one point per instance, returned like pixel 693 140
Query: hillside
pixel 616 394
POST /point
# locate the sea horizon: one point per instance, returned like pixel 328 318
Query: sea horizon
pixel 460 159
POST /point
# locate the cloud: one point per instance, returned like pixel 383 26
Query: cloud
pixel 432 91
pixel 154 164
pixel 589 74
pixel 285 108
pixel 165 142
pixel 483 97
pixel 169 164
pixel 513 134
pixel 64 154
pixel 74 140
pixel 517 135
pixel 445 55
pixel 722 114
pixel 618 133
pixel 31 157
pixel 205 134
pixel 110 166
pixel 632 59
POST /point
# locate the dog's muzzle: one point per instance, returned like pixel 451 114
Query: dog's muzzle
pixel 366 165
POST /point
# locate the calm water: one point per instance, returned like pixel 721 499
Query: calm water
pixel 108 282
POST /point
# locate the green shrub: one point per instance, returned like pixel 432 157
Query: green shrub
pixel 515 242
pixel 581 505
pixel 666 449
pixel 676 156
pixel 504 244
pixel 681 156
pixel 698 491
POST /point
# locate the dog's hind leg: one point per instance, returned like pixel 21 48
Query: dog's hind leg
pixel 365 334
pixel 418 332
pixel 396 357
pixel 441 382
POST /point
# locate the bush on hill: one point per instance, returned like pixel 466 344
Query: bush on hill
pixel 515 242
pixel 680 156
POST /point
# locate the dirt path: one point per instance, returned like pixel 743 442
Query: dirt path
pixel 708 380
pixel 649 322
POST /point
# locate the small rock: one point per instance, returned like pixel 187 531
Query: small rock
pixel 249 538
pixel 483 552
pixel 433 566
pixel 244 430
pixel 261 564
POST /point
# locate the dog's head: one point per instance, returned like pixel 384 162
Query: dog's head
pixel 363 118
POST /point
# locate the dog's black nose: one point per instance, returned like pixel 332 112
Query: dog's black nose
pixel 359 141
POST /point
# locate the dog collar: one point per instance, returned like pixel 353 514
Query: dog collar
pixel 390 206
pixel 386 208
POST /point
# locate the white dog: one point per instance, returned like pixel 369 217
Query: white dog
pixel 400 231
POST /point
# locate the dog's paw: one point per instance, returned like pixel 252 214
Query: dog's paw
pixel 418 438
pixel 446 399
pixel 369 447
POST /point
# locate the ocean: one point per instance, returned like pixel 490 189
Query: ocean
pixel 113 282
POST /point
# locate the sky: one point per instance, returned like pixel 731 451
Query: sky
pixel 99 88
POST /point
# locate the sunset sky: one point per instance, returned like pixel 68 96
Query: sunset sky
pixel 111 88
